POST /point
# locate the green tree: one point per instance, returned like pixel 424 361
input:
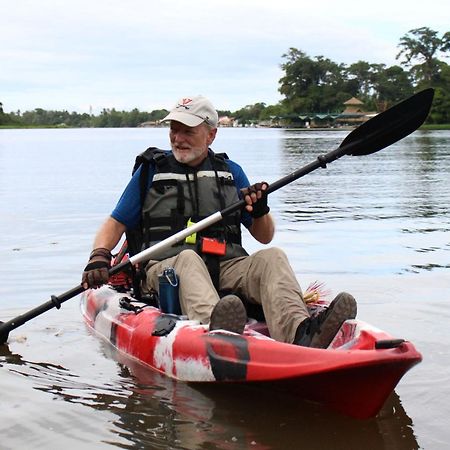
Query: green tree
pixel 390 85
pixel 423 46
pixel 158 114
pixel 360 78
pixel 250 113
pixel 2 115
pixel 273 111
pixel 223 112
pixel 311 85
pixel 440 112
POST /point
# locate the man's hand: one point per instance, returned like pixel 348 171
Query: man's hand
pixel 96 273
pixel 256 198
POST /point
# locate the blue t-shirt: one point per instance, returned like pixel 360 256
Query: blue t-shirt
pixel 128 208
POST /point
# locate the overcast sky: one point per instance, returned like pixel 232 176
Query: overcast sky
pixel 145 54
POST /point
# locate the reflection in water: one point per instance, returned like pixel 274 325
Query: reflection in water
pixel 152 411
pixel 400 193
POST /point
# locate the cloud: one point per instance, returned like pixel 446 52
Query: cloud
pixel 147 53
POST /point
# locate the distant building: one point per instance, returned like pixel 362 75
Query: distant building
pixel 151 124
pixel 226 121
pixel 354 113
pixel 353 106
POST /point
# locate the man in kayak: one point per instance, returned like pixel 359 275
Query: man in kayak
pixel 185 185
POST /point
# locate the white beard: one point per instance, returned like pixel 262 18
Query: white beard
pixel 186 157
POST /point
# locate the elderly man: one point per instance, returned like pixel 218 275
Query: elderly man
pixel 185 185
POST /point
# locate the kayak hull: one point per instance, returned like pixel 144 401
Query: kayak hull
pixel 352 376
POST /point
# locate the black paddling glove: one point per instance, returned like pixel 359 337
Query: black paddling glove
pixel 96 273
pixel 260 206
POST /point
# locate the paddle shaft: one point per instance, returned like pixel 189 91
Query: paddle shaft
pixel 321 161
pixel 373 135
pixel 54 302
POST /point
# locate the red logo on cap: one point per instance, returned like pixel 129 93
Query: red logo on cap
pixel 184 103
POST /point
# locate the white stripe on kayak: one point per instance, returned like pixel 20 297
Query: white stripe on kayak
pixel 180 368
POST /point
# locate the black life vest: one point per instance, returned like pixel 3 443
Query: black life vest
pixel 179 193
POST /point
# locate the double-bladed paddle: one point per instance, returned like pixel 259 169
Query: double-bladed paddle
pixel 377 133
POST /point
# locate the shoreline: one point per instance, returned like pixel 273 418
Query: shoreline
pixel 426 127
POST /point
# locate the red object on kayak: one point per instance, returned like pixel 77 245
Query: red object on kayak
pixel 354 375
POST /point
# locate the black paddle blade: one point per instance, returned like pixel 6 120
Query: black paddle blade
pixel 3 334
pixel 389 126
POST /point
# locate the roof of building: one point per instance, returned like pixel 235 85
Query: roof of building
pixel 353 101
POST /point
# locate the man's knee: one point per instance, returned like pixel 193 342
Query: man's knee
pixel 188 256
pixel 189 260
pixel 272 255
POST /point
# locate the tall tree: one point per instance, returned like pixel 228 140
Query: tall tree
pixel 310 85
pixel 422 45
pixel 391 85
pixel 249 113
pixel 440 112
pixel 360 75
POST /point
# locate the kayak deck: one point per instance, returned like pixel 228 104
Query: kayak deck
pixel 352 375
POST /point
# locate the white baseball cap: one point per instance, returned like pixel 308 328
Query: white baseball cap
pixel 193 111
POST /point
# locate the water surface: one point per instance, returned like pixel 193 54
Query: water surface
pixel 376 226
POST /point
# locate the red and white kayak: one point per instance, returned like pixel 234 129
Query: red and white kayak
pixel 354 375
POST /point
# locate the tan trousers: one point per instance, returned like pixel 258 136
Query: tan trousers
pixel 265 278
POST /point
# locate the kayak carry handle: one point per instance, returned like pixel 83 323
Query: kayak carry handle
pixel 388 343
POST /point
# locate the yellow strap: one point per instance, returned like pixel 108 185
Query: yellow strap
pixel 191 239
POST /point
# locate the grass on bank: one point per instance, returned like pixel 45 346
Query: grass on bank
pixel 442 126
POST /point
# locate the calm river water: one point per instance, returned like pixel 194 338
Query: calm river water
pixel 377 226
